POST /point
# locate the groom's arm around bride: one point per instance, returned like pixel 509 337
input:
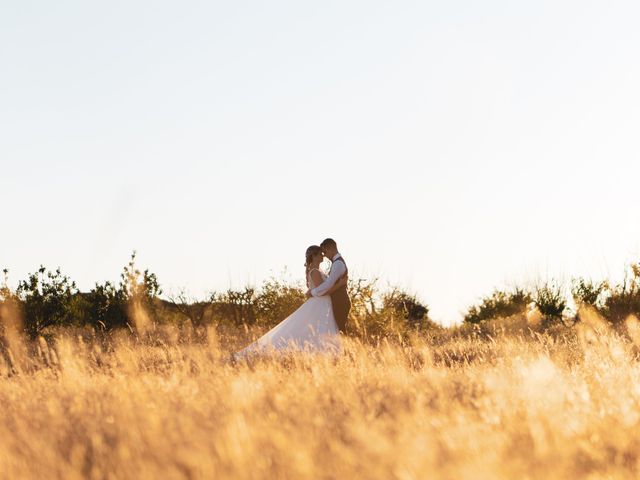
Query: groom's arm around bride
pixel 343 281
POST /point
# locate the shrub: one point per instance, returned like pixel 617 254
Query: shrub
pixel 277 300
pixel 108 306
pixel 624 298
pixel 500 304
pixel 47 299
pixel 363 294
pixel 198 312
pixel 237 306
pixel 377 314
pixel 267 306
pixel 551 302
pixel 406 307
pixel 587 292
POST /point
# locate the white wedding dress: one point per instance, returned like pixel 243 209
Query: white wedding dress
pixel 311 328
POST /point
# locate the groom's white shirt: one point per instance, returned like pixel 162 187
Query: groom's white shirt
pixel 338 269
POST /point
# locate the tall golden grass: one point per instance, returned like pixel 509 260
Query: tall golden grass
pixel 518 406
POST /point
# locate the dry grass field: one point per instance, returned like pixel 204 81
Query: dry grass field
pixel 451 408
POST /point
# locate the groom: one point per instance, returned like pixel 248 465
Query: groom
pixel 340 297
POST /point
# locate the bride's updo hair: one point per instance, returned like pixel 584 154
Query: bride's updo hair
pixel 312 251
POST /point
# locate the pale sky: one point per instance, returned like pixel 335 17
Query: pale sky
pixel 449 147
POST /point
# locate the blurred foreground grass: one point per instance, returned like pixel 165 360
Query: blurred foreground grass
pixel 510 406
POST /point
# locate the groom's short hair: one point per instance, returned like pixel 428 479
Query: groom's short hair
pixel 329 242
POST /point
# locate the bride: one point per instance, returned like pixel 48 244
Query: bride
pixel 311 327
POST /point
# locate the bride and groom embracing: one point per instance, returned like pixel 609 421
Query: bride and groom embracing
pixel 316 325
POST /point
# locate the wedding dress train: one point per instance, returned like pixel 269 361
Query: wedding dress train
pixel 311 327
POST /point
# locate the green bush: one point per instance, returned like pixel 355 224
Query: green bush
pixel 551 302
pixel 277 300
pixel 390 313
pixel 237 307
pixel 500 304
pixel 406 307
pixel 47 299
pixel 108 306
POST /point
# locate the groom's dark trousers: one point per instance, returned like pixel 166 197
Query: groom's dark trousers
pixel 341 304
